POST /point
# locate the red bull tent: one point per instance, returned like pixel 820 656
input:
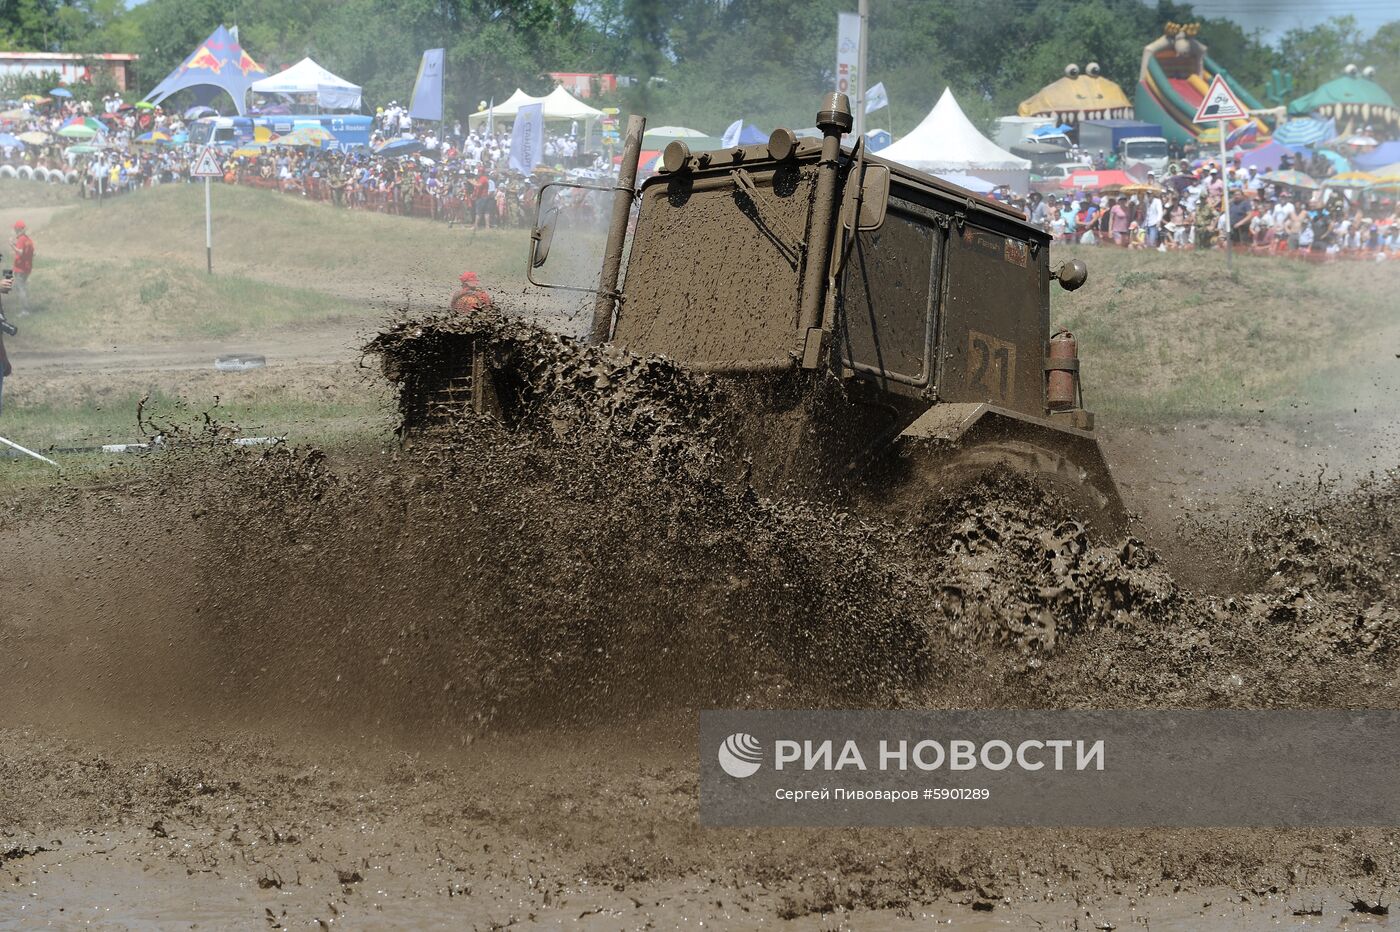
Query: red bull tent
pixel 218 64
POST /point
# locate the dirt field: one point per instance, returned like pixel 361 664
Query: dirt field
pixel 457 686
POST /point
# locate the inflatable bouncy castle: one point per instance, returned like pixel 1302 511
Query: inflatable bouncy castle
pixel 1176 73
pixel 1076 96
pixel 1354 101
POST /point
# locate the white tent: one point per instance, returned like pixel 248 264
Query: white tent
pixel 947 142
pixel 307 77
pixel 559 105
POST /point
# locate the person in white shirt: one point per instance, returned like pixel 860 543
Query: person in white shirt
pixel 1152 220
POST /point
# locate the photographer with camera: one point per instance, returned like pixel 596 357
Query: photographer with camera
pixel 5 328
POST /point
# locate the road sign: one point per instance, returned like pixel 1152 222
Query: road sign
pixel 1220 103
pixel 206 165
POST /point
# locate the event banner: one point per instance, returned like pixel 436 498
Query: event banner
pixel 1189 768
pixel 527 139
pixel 426 103
pixel 847 53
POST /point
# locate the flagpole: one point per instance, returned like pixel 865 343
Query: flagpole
pixel 864 9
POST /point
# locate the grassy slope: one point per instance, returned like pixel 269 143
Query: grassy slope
pixel 131 272
pixel 16 193
pixel 1167 336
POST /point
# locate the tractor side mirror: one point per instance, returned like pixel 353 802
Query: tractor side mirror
pixel 1071 274
pixel 543 235
pixel 576 217
pixel 874 190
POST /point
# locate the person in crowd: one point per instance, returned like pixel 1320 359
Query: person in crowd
pixel 1119 222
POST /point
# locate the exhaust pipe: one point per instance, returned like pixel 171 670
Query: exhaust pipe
pixel 606 304
pixel 833 119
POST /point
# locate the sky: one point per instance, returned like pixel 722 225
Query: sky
pixel 1275 17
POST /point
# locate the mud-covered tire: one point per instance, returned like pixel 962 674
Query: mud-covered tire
pixel 1070 482
pixel 920 472
pixel 7 171
pixel 25 172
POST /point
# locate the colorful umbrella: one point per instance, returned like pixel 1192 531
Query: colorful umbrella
pixel 31 98
pixel 154 137
pixel 196 112
pixel 145 105
pixel 1350 180
pixel 60 92
pixel 404 145
pixel 34 137
pixel 1292 179
pixel 9 142
pixel 305 136
pixel 77 131
pixel 83 148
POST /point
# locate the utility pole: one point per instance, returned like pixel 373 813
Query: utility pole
pixel 864 9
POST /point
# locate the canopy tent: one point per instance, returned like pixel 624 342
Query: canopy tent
pixel 946 141
pixel 1267 157
pixel 559 105
pixel 975 185
pixel 1384 154
pixel 306 78
pixel 218 64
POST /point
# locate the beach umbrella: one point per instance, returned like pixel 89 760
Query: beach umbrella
pixel 1350 180
pixel 145 105
pixel 31 98
pixel 404 145
pixel 198 111
pixel 1143 188
pixel 60 92
pixel 180 138
pixel 153 138
pixel 34 137
pixel 1305 131
pixel 306 136
pixel 1292 179
pixel 77 131
pixel 8 141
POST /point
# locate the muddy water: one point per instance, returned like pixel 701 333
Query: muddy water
pixel 456 683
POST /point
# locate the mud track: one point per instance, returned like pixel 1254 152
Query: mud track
pixel 455 683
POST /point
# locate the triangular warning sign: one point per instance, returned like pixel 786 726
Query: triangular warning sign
pixel 206 165
pixel 1220 103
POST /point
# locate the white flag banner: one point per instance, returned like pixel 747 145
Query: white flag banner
pixel 731 135
pixel 847 52
pixel 875 98
pixel 527 139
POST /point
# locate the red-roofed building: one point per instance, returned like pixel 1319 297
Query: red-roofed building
pixel 72 67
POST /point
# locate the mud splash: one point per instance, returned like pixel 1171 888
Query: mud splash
pixel 602 557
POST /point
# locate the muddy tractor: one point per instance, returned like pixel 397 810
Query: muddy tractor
pixel 886 329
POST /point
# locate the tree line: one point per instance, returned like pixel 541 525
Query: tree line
pixel 700 63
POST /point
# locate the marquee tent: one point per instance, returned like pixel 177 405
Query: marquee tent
pixel 219 64
pixel 306 78
pixel 559 105
pixel 946 141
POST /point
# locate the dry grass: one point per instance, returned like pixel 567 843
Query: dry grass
pixel 1165 336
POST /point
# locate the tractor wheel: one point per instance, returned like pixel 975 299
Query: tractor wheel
pixel 929 471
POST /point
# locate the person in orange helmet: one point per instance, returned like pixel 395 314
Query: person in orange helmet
pixel 470 296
